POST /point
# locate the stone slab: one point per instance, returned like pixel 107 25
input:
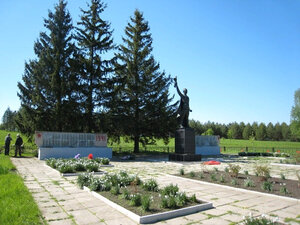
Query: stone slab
pixel 65 152
pixel 208 150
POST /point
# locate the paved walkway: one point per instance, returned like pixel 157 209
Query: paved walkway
pixel 62 202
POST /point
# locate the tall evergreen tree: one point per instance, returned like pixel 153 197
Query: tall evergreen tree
pixel 247 132
pixel 141 102
pixel 270 131
pixel 8 120
pixel 48 93
pixel 94 38
pixel 261 132
pixel 277 132
pixel 285 132
pixel 234 131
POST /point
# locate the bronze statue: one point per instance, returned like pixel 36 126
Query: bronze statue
pixel 184 107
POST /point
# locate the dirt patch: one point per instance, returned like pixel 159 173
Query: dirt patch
pixel 277 185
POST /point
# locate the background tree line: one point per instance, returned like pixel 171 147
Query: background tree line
pixel 256 131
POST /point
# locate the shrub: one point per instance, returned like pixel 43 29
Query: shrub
pixel 234 170
pixel 105 161
pixel 181 199
pixel 267 186
pixel 222 179
pixel 213 177
pixel 234 182
pixel 193 198
pixel 168 202
pixel 263 171
pixel 150 185
pixel 181 171
pixel 137 180
pixel 192 174
pixel 284 190
pixel 125 194
pixel 84 180
pixel 135 199
pixel 51 162
pixel 96 184
pixel 257 221
pixel 249 183
pixel 170 190
pixel 146 201
pixel 115 190
pixel 201 175
pixel 246 172
pixel 216 169
pixel 282 176
pixel 91 166
pixel 66 168
pixel 79 165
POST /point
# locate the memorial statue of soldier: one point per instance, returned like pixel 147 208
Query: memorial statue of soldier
pixel 184 107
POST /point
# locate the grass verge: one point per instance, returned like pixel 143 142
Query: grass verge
pixel 17 204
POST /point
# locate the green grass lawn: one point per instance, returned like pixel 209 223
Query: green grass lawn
pixel 17 205
pixel 234 146
pixel 264 144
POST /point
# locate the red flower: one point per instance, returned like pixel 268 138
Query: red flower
pixel 298 152
pixel 268 150
pixel 278 151
pixel 90 156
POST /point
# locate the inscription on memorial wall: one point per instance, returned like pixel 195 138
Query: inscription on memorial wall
pixel 63 139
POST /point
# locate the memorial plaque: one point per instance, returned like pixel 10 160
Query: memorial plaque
pixel 61 139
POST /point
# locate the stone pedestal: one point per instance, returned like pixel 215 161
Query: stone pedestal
pixel 185 146
pixel 185 141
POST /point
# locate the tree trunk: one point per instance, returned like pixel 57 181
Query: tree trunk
pixel 136 143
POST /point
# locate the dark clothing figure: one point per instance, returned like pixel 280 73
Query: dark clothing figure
pixel 7 144
pixel 18 144
pixel 184 108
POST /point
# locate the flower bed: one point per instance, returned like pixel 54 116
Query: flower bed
pixel 77 164
pixel 142 199
pixel 261 182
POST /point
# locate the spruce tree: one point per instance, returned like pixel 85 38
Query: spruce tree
pixel 8 120
pixel 48 93
pixel 94 38
pixel 141 102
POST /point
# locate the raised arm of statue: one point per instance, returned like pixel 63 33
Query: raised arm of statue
pixel 177 88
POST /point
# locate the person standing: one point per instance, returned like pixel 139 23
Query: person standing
pixel 18 144
pixel 8 139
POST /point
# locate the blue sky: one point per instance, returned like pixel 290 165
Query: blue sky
pixel 239 60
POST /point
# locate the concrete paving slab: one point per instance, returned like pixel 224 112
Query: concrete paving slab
pixel 55 216
pixel 84 217
pixel 61 222
pixel 215 221
pixel 232 217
